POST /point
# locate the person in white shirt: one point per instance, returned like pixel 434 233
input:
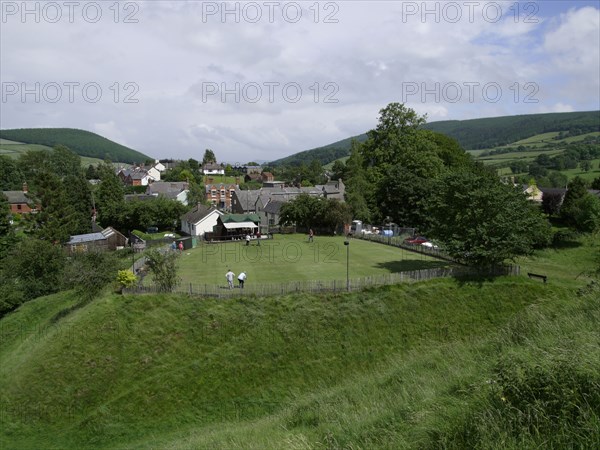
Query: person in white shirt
pixel 229 276
pixel 241 279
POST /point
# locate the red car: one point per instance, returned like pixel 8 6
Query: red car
pixel 416 240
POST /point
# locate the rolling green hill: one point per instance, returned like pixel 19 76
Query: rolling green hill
pixel 82 142
pixel 324 155
pixel 14 149
pixel 398 367
pixel 476 133
pixel 504 363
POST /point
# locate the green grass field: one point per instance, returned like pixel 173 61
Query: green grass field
pixel 291 258
pixel 516 156
pixel 16 149
pixel 504 363
pixel 216 179
pixel 568 264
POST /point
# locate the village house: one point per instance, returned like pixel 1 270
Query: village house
pixel 213 169
pixel 200 220
pixel 173 190
pixel 269 215
pixel 220 195
pixel 245 201
pixel 134 177
pixel 19 202
pixel 333 189
pixel 141 175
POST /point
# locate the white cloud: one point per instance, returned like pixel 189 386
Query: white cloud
pixel 369 55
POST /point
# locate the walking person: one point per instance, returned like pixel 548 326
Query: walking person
pixel 180 246
pixel 241 279
pixel 311 235
pixel 247 240
pixel 258 238
pixel 229 276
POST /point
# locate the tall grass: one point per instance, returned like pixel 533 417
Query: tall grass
pixel 424 365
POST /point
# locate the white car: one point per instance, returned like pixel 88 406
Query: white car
pixel 429 245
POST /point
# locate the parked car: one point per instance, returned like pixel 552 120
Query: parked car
pixel 430 245
pixel 416 240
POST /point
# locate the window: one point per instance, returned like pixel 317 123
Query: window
pixel 222 192
pixel 18 206
pixel 213 192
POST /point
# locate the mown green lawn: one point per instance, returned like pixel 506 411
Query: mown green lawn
pixel 292 258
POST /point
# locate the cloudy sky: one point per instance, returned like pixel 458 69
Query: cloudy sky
pixel 262 80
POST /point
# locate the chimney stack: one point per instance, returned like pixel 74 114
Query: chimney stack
pixel 25 188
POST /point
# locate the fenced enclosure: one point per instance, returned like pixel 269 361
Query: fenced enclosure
pixel 353 284
pixel 398 241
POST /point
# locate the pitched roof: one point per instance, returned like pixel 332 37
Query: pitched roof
pixel 273 207
pixel 138 197
pixel 89 237
pixel 198 213
pixel 249 198
pixel 16 196
pixel 164 187
pixel 229 218
pixel 136 173
pixel 212 166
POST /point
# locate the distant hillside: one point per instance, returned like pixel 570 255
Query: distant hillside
pixel 497 131
pixel 82 142
pixel 324 154
pixel 473 134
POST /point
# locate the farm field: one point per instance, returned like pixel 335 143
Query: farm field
pixel 15 149
pixel 514 156
pixel 291 258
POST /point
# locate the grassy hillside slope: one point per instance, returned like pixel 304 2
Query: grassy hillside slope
pixel 412 366
pixel 82 142
pixel 16 149
pixel 473 134
pixel 497 131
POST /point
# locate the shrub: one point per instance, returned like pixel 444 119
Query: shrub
pixel 126 279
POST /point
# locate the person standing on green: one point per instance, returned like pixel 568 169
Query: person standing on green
pixel 241 279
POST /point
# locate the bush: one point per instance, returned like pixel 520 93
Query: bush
pixel 164 269
pixel 125 279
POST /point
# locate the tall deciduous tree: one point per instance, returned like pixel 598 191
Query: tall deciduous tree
pixel 484 222
pixel 164 269
pixel 209 157
pixel 315 212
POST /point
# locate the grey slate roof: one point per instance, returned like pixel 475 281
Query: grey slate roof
pixel 167 187
pixel 197 214
pixel 138 197
pixel 16 196
pixel 249 198
pixel 273 207
pixel 89 237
